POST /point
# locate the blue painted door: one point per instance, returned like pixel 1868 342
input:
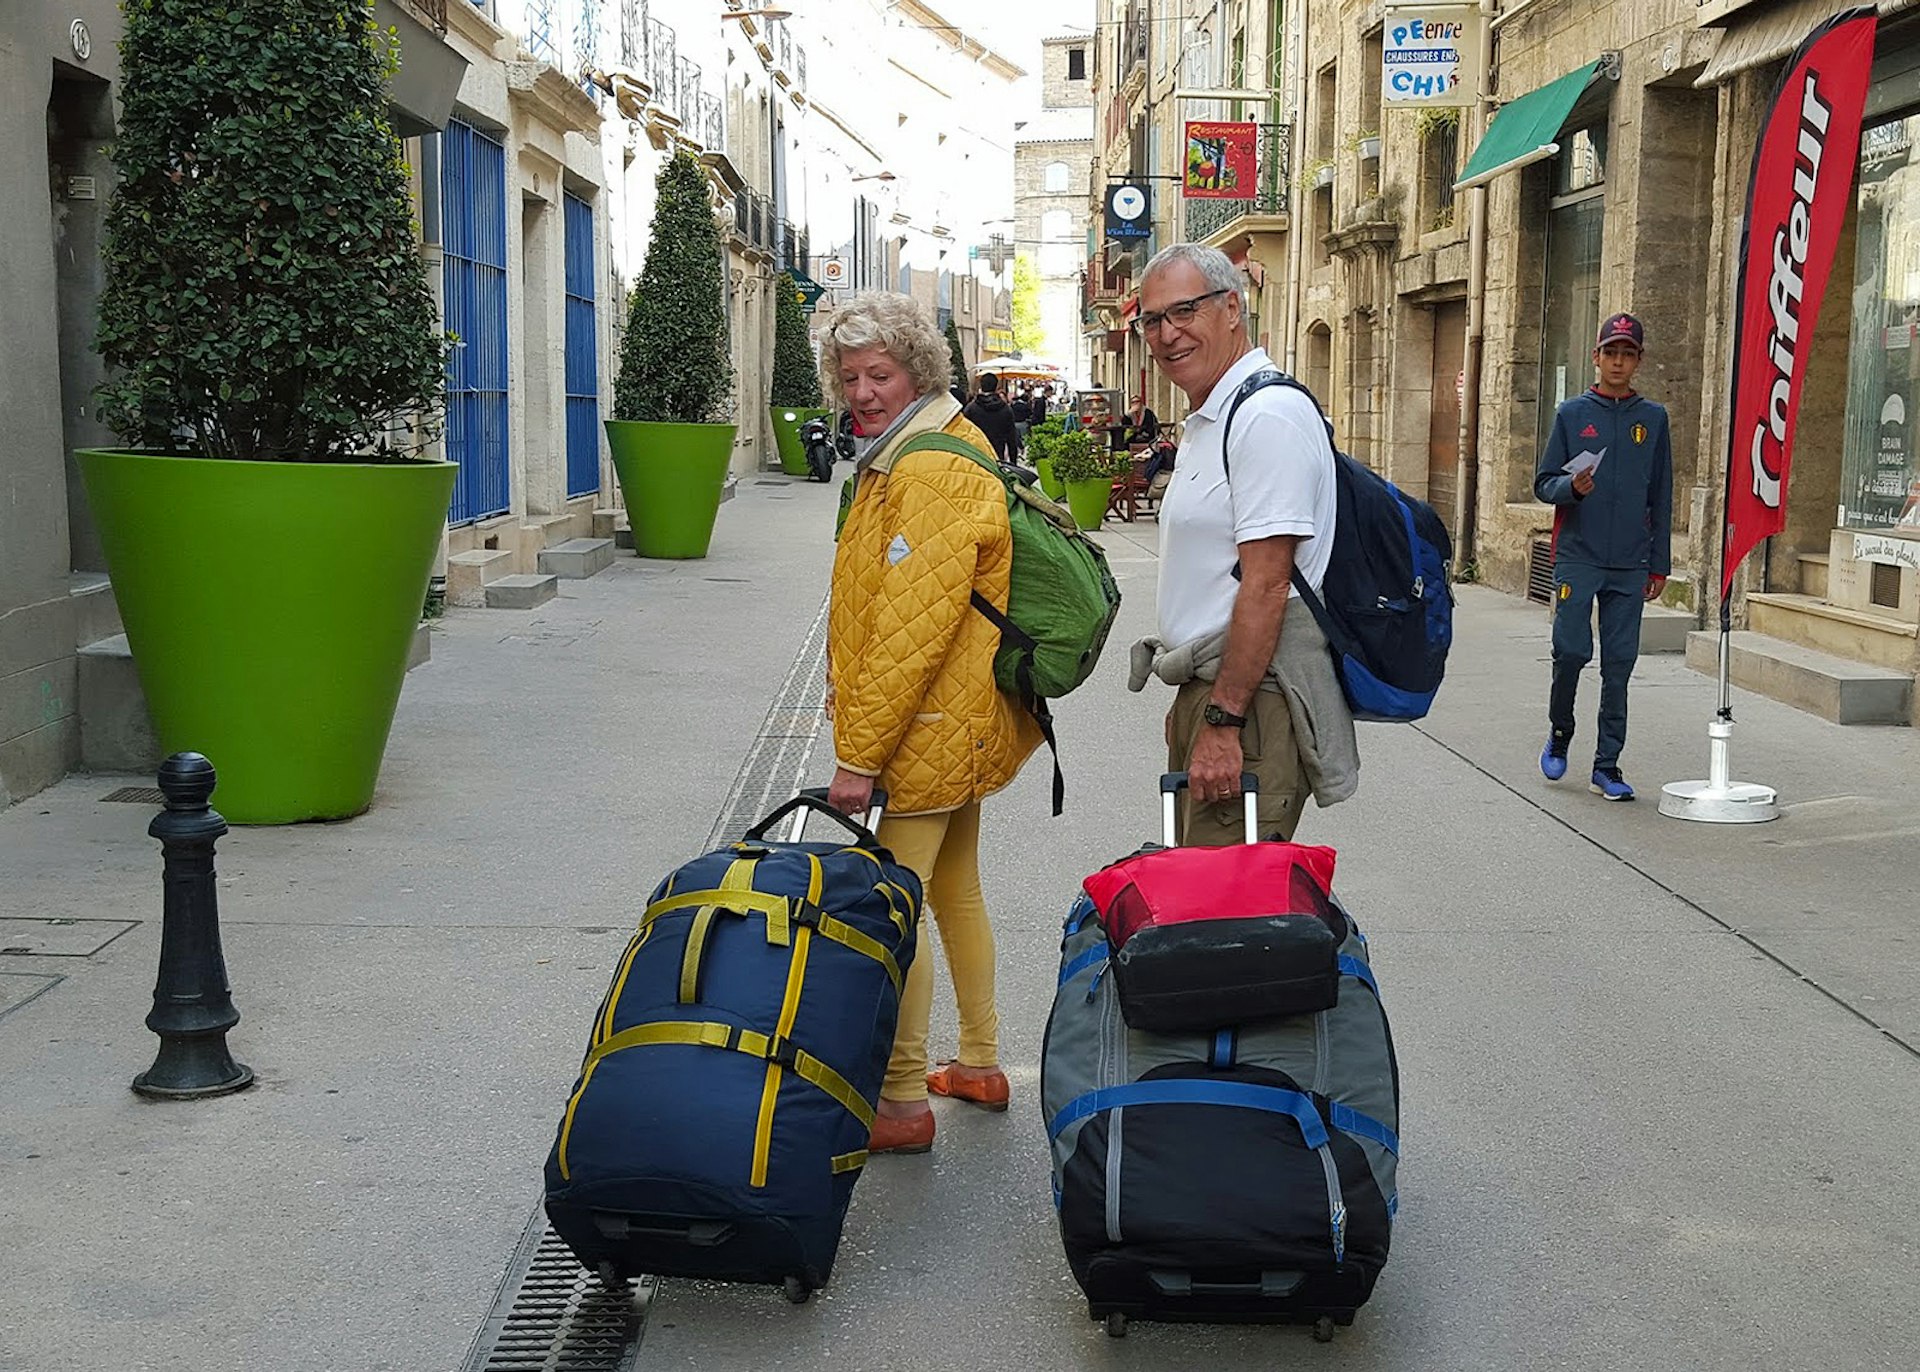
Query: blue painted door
pixel 473 197
pixel 583 354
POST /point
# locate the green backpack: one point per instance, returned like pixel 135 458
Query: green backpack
pixel 1061 602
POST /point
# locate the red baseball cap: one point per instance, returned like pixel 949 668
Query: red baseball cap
pixel 1622 328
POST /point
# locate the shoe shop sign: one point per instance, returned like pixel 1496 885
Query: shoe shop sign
pixel 1430 55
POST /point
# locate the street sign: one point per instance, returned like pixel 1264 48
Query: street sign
pixel 806 290
pixel 833 272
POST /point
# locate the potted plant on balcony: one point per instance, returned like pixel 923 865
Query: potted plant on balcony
pixel 670 450
pixel 794 391
pixel 276 361
pixel 1088 471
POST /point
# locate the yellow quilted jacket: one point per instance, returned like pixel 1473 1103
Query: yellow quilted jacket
pixel 909 660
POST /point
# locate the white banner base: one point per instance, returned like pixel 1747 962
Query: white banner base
pixel 1719 799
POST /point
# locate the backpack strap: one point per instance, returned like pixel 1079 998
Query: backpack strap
pixel 1010 632
pixel 1259 381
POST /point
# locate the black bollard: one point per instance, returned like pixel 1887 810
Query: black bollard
pixel 192 1005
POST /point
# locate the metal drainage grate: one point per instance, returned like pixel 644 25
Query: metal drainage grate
pixel 138 795
pixel 552 1316
pixel 1540 571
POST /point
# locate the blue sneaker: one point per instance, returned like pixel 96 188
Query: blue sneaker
pixel 1608 782
pixel 1553 758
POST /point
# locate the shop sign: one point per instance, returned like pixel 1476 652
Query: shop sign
pixel 1430 55
pixel 1220 163
pixel 1887 549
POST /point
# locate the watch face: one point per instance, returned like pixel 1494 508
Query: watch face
pixel 1129 202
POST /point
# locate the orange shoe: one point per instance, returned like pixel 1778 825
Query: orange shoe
pixel 989 1090
pixel 913 1134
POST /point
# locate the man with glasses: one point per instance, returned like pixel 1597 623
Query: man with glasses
pixel 1256 688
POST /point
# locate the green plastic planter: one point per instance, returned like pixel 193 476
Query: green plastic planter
pixel 672 476
pixel 1088 500
pixel 270 607
pixel 787 420
pixel 1055 488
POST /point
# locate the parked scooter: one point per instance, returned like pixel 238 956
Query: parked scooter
pixel 816 437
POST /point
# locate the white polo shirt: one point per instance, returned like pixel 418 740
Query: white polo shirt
pixel 1282 483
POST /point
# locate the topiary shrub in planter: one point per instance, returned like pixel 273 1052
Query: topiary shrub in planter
pixel 961 377
pixel 793 393
pixel 669 450
pixel 1087 470
pixel 276 365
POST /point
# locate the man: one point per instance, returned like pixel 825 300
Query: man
pixel 1022 409
pixel 1608 471
pixel 1257 691
pixel 1037 405
pixel 994 418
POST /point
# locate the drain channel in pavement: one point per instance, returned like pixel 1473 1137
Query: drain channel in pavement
pixel 551 1315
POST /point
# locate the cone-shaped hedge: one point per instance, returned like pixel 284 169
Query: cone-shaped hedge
pixel 796 377
pixel 959 354
pixel 673 360
pixel 265 295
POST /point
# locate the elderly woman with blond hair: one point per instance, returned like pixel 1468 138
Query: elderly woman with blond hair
pixel 910 675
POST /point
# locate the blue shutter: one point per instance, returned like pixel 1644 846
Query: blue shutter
pixel 473 190
pixel 583 354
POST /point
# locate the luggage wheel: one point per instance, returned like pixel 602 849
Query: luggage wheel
pixel 1323 1329
pixel 1116 1325
pixel 798 1292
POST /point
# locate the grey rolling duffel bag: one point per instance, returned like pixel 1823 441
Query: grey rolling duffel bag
pixel 1240 1172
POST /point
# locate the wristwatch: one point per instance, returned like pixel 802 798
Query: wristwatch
pixel 1221 718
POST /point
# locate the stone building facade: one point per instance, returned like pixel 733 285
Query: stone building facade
pixel 1052 161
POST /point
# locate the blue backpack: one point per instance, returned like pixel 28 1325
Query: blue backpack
pixel 1385 605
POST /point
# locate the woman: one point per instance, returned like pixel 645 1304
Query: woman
pixel 1141 426
pixel 910 678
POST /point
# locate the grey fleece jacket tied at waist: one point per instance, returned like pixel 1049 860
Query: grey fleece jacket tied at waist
pixel 1302 671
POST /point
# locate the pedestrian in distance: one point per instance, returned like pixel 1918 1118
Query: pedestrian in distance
pixel 910 678
pixel 1022 407
pixel 1608 472
pixel 992 415
pixel 1256 690
pixel 1037 407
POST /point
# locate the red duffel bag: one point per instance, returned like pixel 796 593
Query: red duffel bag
pixel 1202 938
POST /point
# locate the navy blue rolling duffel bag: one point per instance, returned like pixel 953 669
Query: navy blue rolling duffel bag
pixel 721 1114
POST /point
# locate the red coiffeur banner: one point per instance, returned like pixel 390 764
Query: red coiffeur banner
pixel 1221 159
pixel 1801 184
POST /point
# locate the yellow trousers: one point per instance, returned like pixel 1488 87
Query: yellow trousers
pixel 943 850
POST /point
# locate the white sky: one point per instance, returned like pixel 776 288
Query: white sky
pixel 1014 28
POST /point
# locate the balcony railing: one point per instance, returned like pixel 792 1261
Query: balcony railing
pixel 755 231
pixel 713 122
pixel 661 73
pixel 1204 218
pixel 743 215
pixel 633 34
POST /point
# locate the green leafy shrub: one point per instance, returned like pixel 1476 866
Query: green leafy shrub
pixel 1041 442
pixel 673 358
pixel 959 357
pixel 796 377
pixel 1076 457
pixel 265 295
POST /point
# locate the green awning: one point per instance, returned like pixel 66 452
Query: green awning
pixel 1525 130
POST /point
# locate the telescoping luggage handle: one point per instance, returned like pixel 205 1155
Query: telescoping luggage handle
pixel 814 799
pixel 1172 783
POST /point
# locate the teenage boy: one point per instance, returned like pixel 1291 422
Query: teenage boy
pixel 1608 473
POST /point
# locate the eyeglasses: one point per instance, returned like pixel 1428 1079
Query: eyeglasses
pixel 1179 314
